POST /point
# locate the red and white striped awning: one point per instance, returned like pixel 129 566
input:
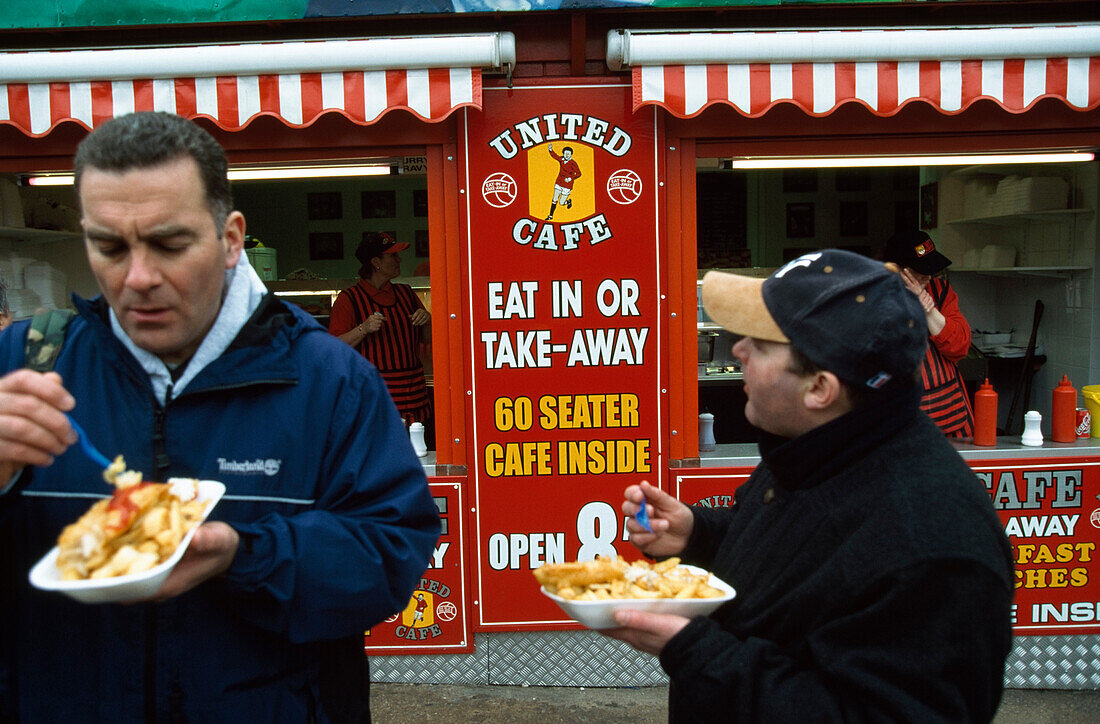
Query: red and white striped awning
pixel 229 85
pixel 819 71
pixel 884 88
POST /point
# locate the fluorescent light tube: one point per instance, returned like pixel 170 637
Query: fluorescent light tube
pixel 751 162
pixel 250 174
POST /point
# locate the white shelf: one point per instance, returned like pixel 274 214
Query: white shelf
pixel 1041 271
pixel 1011 219
pixel 1016 169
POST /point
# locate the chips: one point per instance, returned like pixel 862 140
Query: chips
pixel 606 578
pixel 134 530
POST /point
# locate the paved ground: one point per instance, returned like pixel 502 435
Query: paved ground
pixel 401 703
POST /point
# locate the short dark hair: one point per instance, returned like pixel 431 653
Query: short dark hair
pixel 151 138
pixel 567 148
pixel 803 366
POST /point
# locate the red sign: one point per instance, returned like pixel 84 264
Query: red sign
pixel 565 317
pixel 436 620
pixel 1050 508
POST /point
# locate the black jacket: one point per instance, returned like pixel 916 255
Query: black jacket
pixel 874 583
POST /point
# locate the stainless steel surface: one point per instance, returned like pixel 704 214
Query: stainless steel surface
pixel 1054 662
pixel 534 658
pixel 707 378
pixel 433 469
pixel 742 454
pixel 584 658
pixel 706 346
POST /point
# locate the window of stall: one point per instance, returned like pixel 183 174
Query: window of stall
pixel 1016 233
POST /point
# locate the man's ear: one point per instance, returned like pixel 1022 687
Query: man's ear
pixel 234 238
pixel 823 390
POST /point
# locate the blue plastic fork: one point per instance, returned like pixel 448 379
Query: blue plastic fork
pixel 87 446
pixel 642 516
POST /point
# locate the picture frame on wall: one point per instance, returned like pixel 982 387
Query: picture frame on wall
pixel 852 179
pixel 905 178
pixel 324 205
pixel 929 199
pixel 800 220
pixel 799 180
pixel 906 215
pixel 420 202
pixel 852 218
pixel 380 204
pixel 326 245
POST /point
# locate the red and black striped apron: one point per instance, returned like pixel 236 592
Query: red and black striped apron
pixel 395 349
pixel 945 399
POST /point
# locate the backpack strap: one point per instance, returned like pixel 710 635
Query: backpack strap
pixel 45 336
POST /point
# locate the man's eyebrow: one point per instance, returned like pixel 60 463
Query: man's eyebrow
pixel 99 234
pixel 168 232
pixel 156 234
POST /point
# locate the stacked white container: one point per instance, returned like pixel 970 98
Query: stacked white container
pixel 47 282
pixel 11 205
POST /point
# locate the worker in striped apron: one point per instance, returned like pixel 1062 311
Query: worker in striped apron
pixel 387 323
pixel 945 398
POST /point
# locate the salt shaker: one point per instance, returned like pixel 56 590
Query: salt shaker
pixel 706 432
pixel 416 436
pixel 1033 436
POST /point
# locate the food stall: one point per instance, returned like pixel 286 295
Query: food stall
pixel 562 327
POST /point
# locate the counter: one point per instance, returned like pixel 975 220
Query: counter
pixel 438 470
pixel 742 454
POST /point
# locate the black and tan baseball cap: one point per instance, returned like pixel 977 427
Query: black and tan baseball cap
pixel 847 313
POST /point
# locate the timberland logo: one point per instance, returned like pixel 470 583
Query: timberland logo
pixel 268 467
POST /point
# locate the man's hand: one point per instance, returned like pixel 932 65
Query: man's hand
pixel 648 632
pixel 210 554
pixel 33 426
pixel 420 317
pixel 671 520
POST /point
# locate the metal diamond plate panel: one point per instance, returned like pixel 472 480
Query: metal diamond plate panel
pixel 1054 662
pixel 549 658
pixel 569 658
pixel 471 669
pixel 584 658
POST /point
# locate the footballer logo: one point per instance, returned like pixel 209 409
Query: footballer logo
pixel 561 171
pixel 420 620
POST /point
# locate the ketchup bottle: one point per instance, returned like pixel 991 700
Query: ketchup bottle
pixel 985 415
pixel 1063 412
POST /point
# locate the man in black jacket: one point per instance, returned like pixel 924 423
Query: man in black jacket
pixel 873 578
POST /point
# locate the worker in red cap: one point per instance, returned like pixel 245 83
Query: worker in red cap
pixel 945 399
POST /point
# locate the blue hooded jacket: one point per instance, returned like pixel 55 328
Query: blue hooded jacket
pixel 335 517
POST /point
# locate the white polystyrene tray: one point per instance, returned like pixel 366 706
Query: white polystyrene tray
pixel 600 614
pixel 46 576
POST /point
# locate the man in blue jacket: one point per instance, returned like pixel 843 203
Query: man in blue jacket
pixel 187 367
pixel 874 581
